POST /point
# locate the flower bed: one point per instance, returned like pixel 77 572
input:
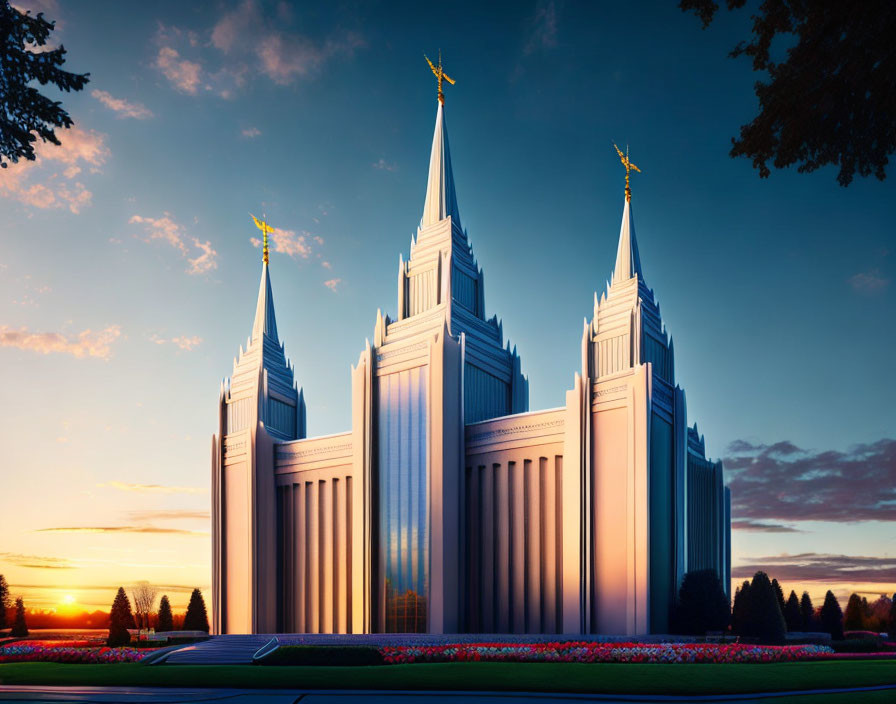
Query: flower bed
pixel 37 651
pixel 604 652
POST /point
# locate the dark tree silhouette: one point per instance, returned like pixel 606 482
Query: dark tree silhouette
pixel 807 613
pixel 831 100
pixel 792 618
pixel 120 619
pixel 166 620
pixel 764 620
pixel 740 608
pixel 19 626
pixel 832 616
pixel 854 617
pixel 25 114
pixel 892 629
pixel 779 594
pixel 197 617
pixel 702 605
pixel 4 601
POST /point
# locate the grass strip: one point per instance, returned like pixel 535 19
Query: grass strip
pixel 611 678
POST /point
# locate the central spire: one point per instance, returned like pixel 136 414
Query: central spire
pixel 441 198
pixel 265 321
pixel 628 261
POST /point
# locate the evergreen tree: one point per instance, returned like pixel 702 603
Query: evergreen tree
pixel 779 593
pixel 854 617
pixel 120 619
pixel 165 618
pixel 807 613
pixel 765 621
pixel 892 629
pixel 19 626
pixel 4 601
pixel 792 613
pixel 702 605
pixel 25 114
pixel 739 610
pixel 197 617
pixel 832 616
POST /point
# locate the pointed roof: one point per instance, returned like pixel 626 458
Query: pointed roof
pixel 265 321
pixel 628 261
pixel 441 198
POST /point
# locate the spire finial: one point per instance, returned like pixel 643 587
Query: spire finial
pixel 439 74
pixel 265 228
pixel 627 163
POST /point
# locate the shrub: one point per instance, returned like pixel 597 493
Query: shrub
pixel 740 609
pixel 4 601
pixel 702 605
pixel 853 618
pixel 807 613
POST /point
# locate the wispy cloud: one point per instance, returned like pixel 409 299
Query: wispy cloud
pixel 88 343
pixel 333 284
pixel 251 132
pixel 785 483
pixel 812 566
pixel 384 165
pixel 184 75
pixel 154 488
pixel 290 242
pixel 246 39
pixel 201 256
pixel 121 107
pixel 121 529
pixel 871 281
pixel 168 515
pixel 38 562
pixel 544 28
pixel 51 180
pixel 763 527
pixel 187 343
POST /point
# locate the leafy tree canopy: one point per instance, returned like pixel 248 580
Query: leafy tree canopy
pixel 196 618
pixel 831 100
pixel 832 616
pixel 4 600
pixel 166 620
pixel 702 605
pixel 120 619
pixel 792 613
pixel 19 626
pixel 25 114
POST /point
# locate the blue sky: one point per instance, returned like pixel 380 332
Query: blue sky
pixel 129 276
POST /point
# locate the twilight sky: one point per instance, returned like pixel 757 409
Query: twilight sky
pixel 128 274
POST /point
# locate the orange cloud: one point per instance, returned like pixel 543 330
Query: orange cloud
pixel 183 74
pixel 332 284
pixel 200 256
pixel 121 529
pixel 184 342
pixel 154 488
pixel 87 343
pixel 121 106
pixel 50 180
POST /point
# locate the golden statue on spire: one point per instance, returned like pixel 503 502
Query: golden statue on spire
pixel 265 228
pixel 627 163
pixel 439 74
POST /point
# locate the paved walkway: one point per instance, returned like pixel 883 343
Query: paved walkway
pixel 162 695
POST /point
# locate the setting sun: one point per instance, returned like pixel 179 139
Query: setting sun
pixel 68 600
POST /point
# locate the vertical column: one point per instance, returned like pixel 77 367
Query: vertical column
pixel 298 567
pixel 340 566
pixel 487 597
pixel 502 548
pixel 312 564
pixel 518 544
pixel 534 532
pixel 326 555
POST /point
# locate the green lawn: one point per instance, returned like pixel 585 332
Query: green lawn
pixel 536 677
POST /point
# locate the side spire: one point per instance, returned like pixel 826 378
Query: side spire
pixel 441 197
pixel 628 260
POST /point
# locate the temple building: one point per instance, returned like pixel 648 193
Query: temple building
pixel 449 506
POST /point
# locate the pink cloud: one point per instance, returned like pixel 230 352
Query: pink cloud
pixel 869 281
pixel 251 132
pixel 200 256
pixel 121 106
pixel 333 284
pixel 185 342
pixel 289 242
pixel 86 344
pixel 49 180
pixel 183 74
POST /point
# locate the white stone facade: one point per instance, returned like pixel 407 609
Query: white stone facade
pixel 449 507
